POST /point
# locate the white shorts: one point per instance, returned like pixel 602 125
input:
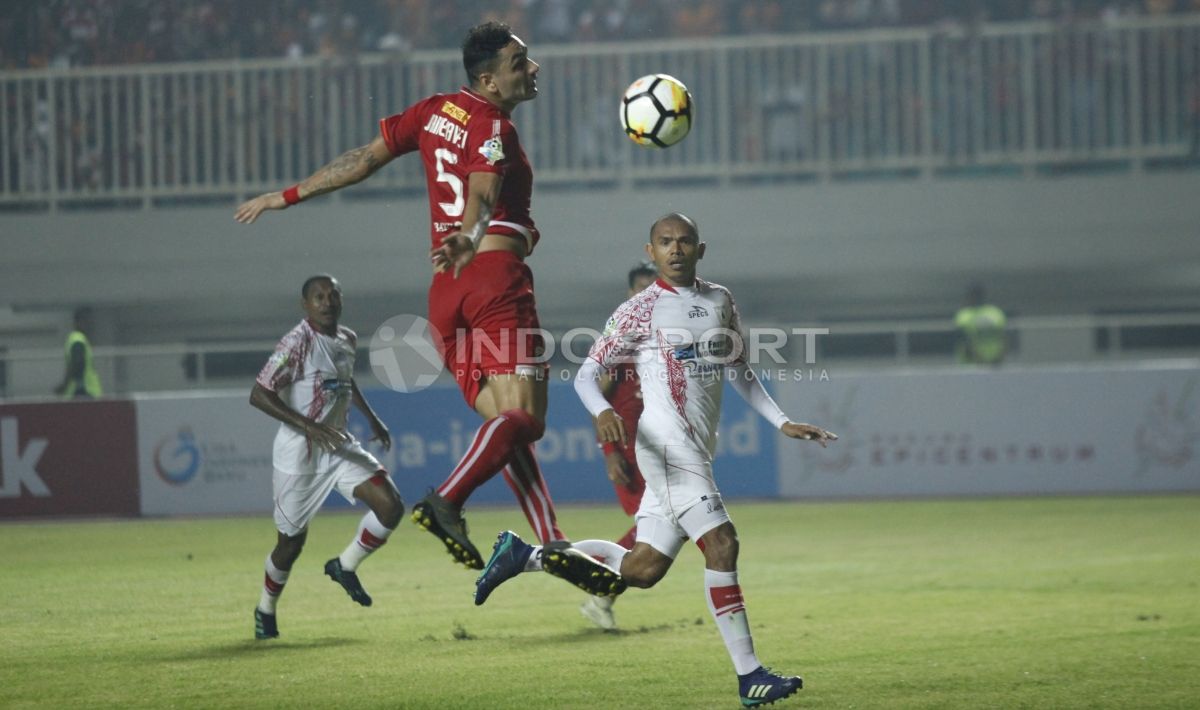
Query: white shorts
pixel 299 495
pixel 681 500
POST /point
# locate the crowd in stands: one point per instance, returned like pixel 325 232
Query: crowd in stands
pixel 70 33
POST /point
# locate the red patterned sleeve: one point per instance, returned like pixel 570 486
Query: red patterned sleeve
pixel 286 364
pixel 628 327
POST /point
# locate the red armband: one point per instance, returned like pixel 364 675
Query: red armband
pixel 609 447
pixel 292 195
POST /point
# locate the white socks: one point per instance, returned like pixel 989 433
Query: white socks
pixel 610 553
pixel 273 583
pixel 724 597
pixel 370 537
pixel 534 563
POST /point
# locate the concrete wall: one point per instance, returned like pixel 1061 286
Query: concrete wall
pixel 796 252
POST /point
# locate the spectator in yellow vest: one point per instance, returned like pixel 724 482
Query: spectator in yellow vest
pixel 80 380
pixel 980 325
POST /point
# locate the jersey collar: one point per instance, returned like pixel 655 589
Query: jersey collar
pixel 673 289
pixel 314 328
pixel 471 93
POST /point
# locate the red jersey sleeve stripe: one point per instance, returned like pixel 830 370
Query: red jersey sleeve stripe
pixel 387 137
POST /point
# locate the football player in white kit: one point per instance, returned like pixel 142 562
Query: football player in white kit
pixel 308 385
pixel 684 336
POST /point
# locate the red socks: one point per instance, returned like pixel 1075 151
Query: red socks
pixel 489 452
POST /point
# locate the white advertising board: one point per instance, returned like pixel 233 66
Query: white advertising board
pixel 203 454
pixel 1007 431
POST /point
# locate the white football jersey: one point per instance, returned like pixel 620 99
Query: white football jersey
pixel 313 373
pixel 682 340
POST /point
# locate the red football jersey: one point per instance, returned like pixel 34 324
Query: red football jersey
pixel 458 134
pixel 626 397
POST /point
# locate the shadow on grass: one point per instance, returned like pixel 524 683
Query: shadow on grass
pixel 589 635
pixel 252 646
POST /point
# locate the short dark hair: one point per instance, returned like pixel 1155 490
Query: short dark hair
pixel 315 278
pixel 481 47
pixel 644 268
pixel 676 217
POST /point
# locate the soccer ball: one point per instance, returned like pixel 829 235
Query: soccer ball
pixel 656 111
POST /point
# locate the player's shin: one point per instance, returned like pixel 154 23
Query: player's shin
pixel 524 477
pixel 724 597
pixel 273 581
pixel 370 537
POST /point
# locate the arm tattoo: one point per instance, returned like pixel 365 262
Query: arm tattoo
pixel 348 168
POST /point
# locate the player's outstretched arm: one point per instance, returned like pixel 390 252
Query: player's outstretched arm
pixel 751 389
pixel 351 167
pixel 808 432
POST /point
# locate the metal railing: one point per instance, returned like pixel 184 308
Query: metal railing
pixel 881 346
pixel 907 101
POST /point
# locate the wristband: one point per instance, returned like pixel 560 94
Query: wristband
pixel 291 195
pixel 609 447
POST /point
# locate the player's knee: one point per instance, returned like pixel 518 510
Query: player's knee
pixel 388 506
pixel 643 575
pixel 288 548
pixel 530 428
pixel 392 513
pixel 538 430
pixel 642 579
pixel 721 548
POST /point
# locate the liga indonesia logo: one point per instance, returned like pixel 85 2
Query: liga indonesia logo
pixel 177 457
pixel 404 358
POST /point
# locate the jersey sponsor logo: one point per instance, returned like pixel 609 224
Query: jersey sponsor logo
pixel 705 359
pixel 698 312
pixel 492 150
pixel 719 348
pixel 447 130
pixel 456 112
pixel 333 384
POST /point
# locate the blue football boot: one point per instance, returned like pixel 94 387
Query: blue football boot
pixel 762 687
pixel 264 625
pixel 509 555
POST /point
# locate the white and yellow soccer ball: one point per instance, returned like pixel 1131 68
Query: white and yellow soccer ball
pixel 656 111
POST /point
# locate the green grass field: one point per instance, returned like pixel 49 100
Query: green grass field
pixel 1038 603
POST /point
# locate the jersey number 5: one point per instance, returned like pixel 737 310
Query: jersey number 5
pixel 452 209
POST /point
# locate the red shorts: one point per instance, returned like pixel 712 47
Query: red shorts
pixel 485 321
